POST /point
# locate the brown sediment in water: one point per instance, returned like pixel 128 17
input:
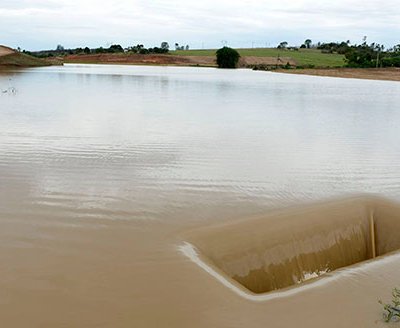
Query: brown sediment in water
pixel 86 273
pixel 91 217
pixel 284 249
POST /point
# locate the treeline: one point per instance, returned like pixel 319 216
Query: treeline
pixel 373 55
pixel 362 56
pixel 365 55
pixel 60 51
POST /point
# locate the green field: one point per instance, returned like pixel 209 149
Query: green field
pixel 302 57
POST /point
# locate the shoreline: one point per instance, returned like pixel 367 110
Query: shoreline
pixel 376 74
pixel 383 74
pixel 138 59
pixel 170 60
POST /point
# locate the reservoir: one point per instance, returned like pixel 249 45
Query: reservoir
pixel 104 169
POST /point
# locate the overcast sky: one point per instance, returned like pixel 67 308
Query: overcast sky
pixel 42 24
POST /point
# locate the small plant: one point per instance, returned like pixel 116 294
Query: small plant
pixel 392 310
pixel 287 66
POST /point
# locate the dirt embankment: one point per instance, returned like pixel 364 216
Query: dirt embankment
pixel 251 61
pixel 137 59
pixel 4 51
pixel 386 74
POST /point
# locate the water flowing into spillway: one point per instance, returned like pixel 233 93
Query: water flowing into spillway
pixel 296 245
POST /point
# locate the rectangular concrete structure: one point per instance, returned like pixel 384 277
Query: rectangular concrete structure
pixel 286 248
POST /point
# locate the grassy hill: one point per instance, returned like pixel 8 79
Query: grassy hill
pixel 10 58
pixel 302 57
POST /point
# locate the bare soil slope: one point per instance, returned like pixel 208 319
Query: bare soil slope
pixel 6 51
pixel 12 58
pixel 137 59
pixel 388 74
pixel 266 61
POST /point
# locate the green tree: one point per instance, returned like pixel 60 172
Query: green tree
pixel 115 48
pixel 308 43
pixel 165 46
pixel 282 45
pixel 365 55
pixel 227 57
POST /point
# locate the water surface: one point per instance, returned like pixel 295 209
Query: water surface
pixel 101 168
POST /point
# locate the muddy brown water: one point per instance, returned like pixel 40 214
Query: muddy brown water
pixel 106 171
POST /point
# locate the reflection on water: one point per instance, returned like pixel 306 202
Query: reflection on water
pixel 102 168
pixel 149 142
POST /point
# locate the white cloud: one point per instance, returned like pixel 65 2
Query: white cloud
pixel 37 24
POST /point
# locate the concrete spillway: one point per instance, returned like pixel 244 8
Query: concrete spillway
pixel 287 248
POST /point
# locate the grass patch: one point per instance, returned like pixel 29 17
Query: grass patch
pixel 392 310
pixel 303 57
pixel 22 60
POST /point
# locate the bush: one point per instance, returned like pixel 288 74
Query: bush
pixel 361 56
pixel 260 67
pixel 391 61
pixel 309 66
pixel 115 48
pixel 227 57
pixel 392 310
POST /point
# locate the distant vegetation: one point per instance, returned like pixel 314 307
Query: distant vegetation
pixel 60 51
pixel 303 57
pixel 308 55
pixel 364 55
pixel 373 55
pixel 178 47
pixel 323 55
pixel 227 57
